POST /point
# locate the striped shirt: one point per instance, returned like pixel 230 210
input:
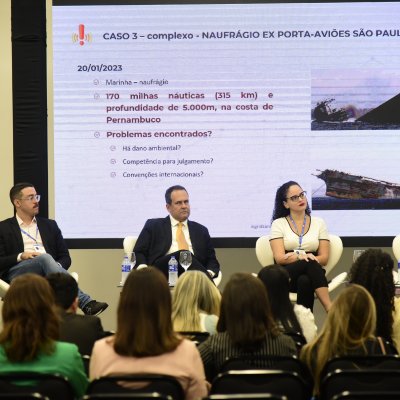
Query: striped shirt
pixel 217 348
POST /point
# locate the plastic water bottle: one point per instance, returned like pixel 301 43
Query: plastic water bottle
pixel 172 271
pixel 125 269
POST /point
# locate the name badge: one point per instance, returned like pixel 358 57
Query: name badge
pixel 39 248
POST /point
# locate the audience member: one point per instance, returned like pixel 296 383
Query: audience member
pixel 195 303
pixel 292 319
pixel 373 270
pixel 161 238
pixel 348 330
pixel 28 341
pixel 245 326
pixel 300 244
pixel 83 330
pixel 29 243
pixel 145 341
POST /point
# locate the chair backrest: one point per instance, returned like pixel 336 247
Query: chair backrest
pixel 358 380
pixel 3 288
pixel 53 386
pixel 276 362
pixel 396 247
pixel 23 396
pixel 373 395
pixel 335 252
pixel 194 336
pixel 127 396
pixel 363 362
pixel 245 396
pixel 276 382
pixel 265 256
pixel 264 252
pixel 139 383
pixel 129 243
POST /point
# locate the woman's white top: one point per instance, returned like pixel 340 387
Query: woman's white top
pixel 281 229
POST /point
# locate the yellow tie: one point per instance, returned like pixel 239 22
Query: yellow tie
pixel 180 238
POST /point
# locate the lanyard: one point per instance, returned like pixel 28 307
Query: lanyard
pixel 29 236
pixel 302 228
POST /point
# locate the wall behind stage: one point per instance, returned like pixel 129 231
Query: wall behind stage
pixel 6 126
pixel 98 269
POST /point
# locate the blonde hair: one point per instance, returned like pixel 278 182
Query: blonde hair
pixel 351 321
pixel 194 293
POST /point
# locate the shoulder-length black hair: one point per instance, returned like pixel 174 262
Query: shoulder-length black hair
pixel 276 280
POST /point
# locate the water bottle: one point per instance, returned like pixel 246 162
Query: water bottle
pixel 172 271
pixel 125 269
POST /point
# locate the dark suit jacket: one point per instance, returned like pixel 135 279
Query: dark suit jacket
pixel 11 243
pixel 156 237
pixel 83 330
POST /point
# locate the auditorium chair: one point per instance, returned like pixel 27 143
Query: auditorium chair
pixel 265 257
pixel 127 383
pixel 129 244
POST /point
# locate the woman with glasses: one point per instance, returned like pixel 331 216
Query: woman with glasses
pixel 300 244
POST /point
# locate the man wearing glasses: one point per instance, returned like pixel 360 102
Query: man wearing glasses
pixel 34 244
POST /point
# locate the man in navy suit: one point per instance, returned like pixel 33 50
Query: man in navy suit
pixel 29 243
pixel 158 239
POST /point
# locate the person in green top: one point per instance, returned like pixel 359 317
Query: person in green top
pixel 28 341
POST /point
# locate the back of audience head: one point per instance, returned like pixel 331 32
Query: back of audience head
pixel 277 282
pixel 193 293
pixel 245 311
pixel 65 289
pixel 350 323
pixel 144 326
pixel 30 321
pixel 373 270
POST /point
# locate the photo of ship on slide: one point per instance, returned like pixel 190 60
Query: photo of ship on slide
pixel 345 191
pixel 355 100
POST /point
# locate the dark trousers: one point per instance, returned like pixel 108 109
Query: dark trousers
pixel 305 277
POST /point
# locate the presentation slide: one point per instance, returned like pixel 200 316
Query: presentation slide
pixel 229 101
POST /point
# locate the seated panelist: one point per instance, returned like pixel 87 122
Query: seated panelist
pixel 300 243
pixel 161 238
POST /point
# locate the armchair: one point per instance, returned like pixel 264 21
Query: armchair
pixel 265 257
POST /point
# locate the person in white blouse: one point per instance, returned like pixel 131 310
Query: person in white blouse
pixel 300 244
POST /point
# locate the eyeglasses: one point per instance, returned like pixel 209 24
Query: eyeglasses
pixel 32 197
pixel 298 197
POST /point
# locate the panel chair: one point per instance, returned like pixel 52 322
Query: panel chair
pixel 137 383
pixel 3 288
pixel 52 386
pixel 277 382
pixel 339 381
pixel 396 247
pixel 265 257
pixel 129 244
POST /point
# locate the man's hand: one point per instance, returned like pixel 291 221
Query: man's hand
pixel 26 255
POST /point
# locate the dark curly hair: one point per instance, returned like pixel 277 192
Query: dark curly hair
pixel 373 270
pixel 281 196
